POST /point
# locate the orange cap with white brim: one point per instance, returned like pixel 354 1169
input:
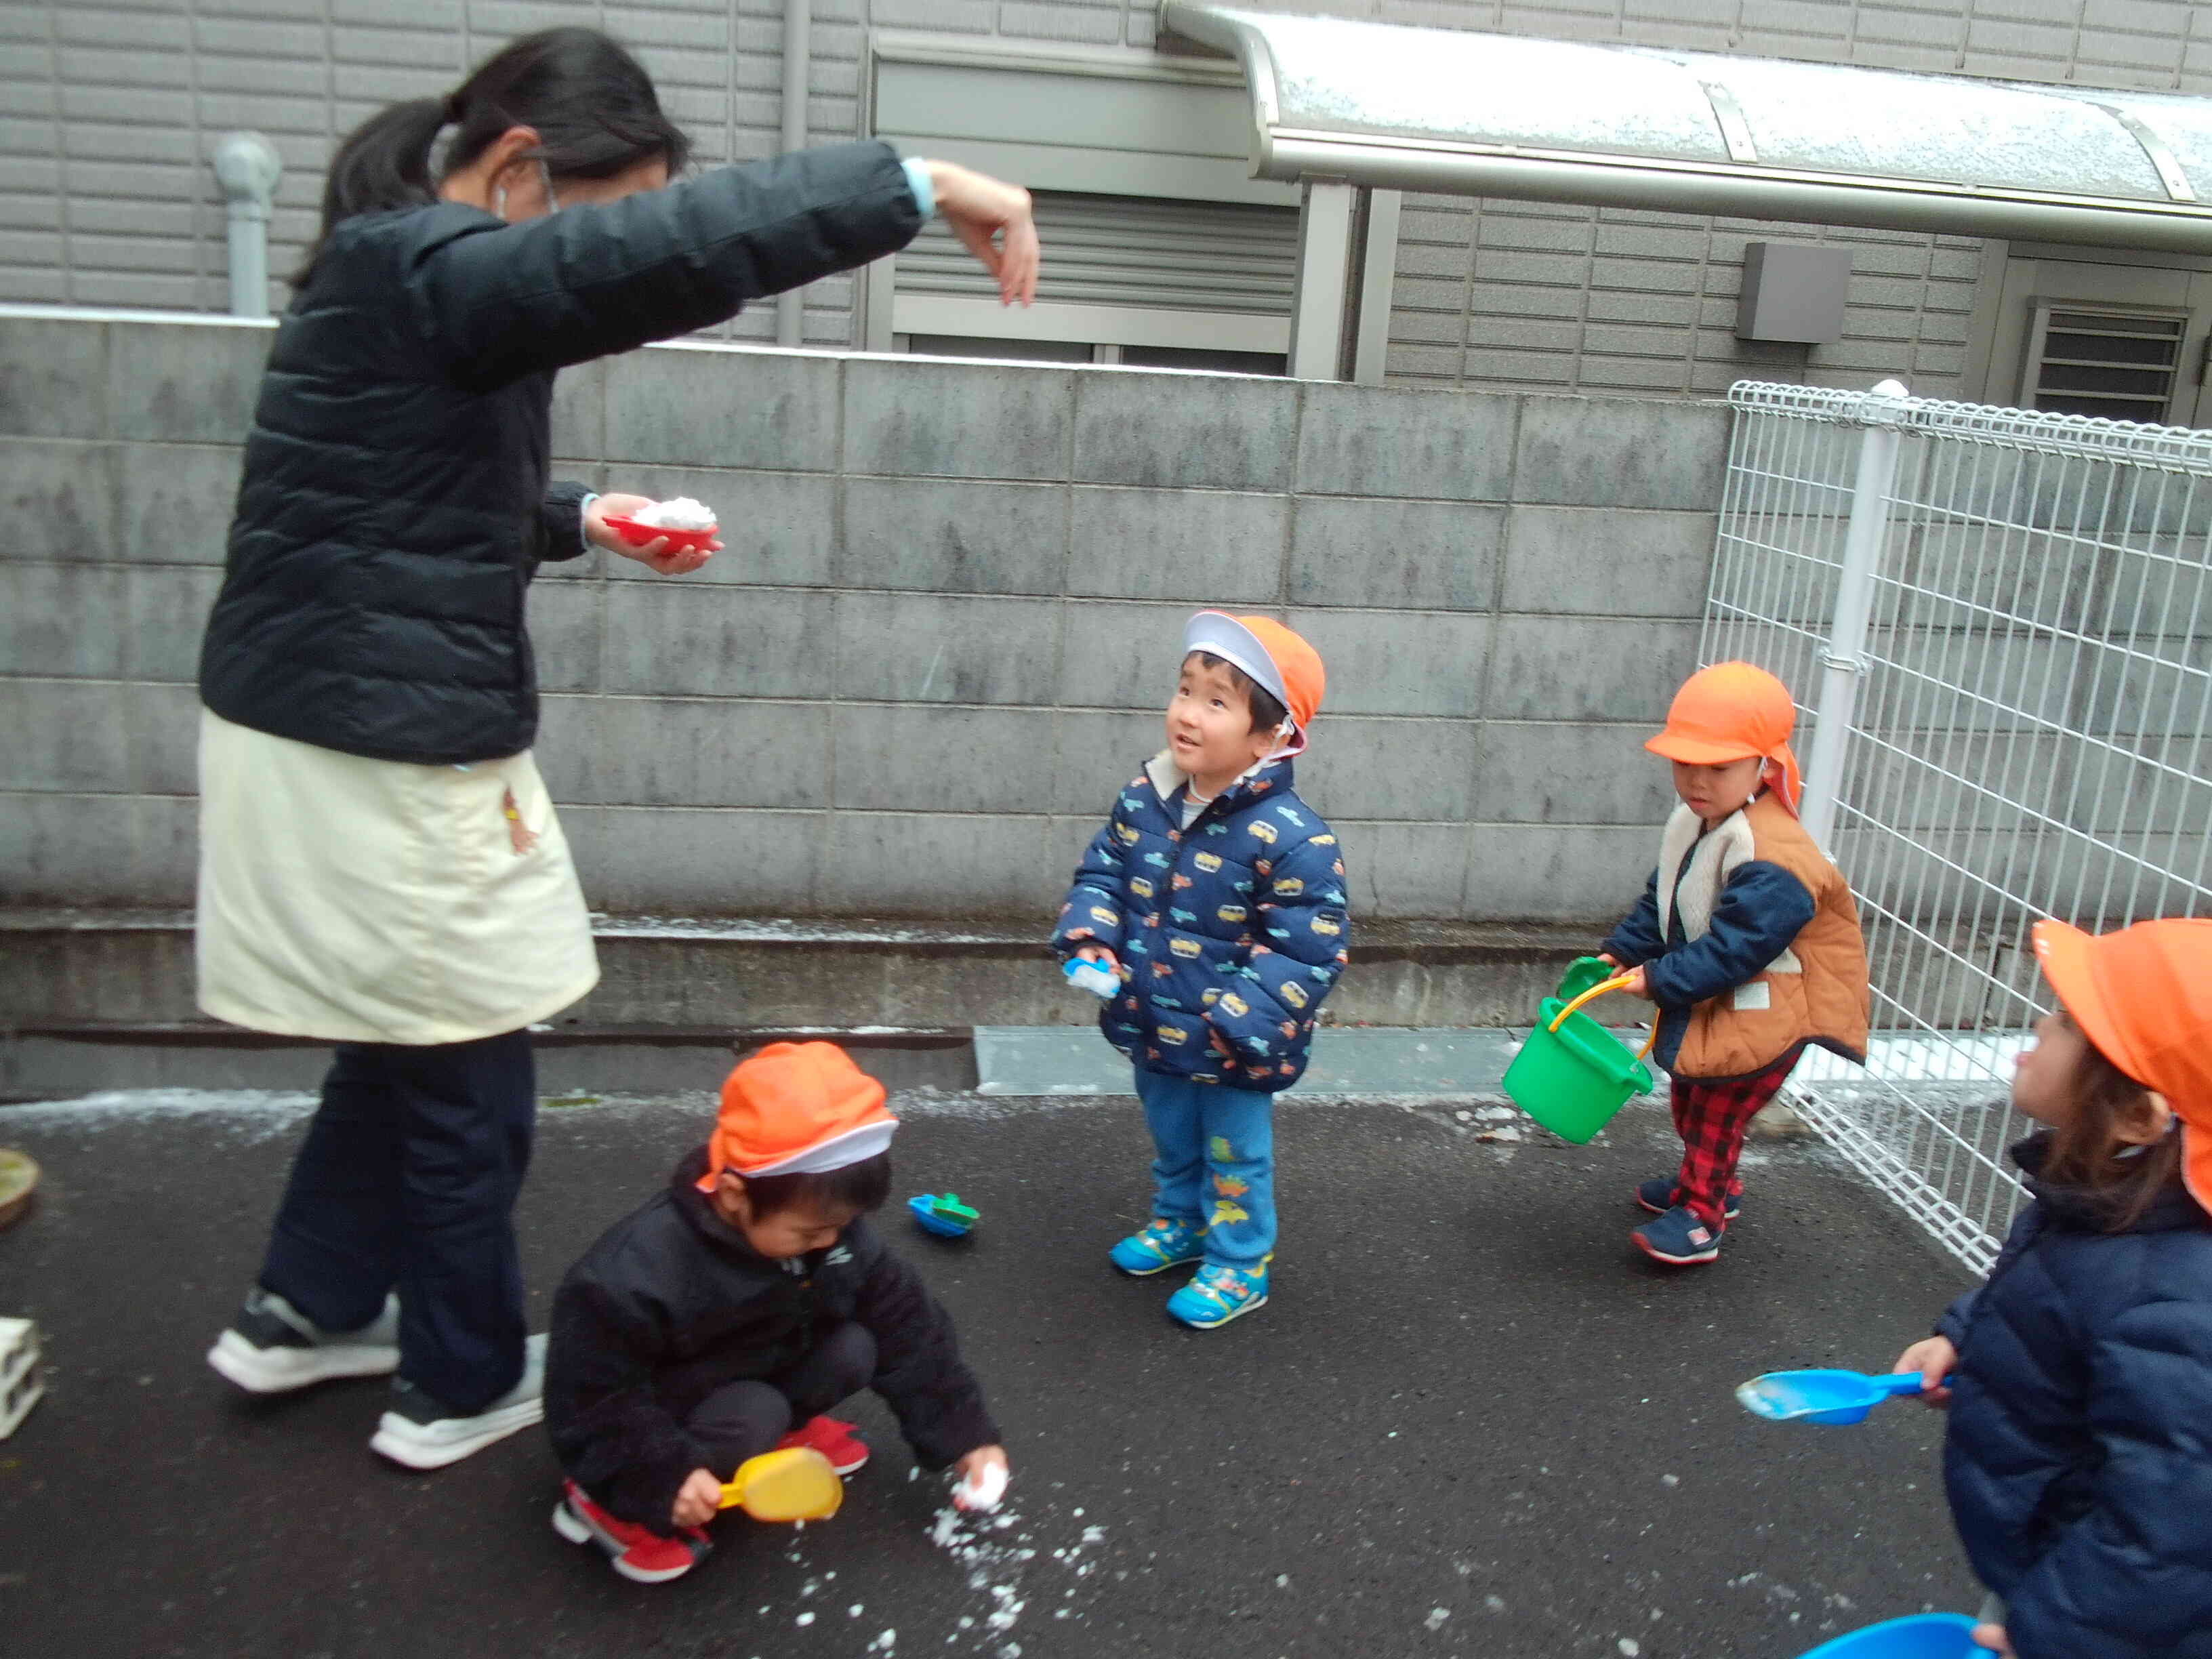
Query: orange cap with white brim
pixel 1273 657
pixel 797 1109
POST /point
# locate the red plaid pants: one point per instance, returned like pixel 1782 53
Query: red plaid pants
pixel 1712 1118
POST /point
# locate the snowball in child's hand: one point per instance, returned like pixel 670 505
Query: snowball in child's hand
pixel 981 1490
pixel 681 514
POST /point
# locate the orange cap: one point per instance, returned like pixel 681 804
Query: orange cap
pixel 2143 998
pixel 1268 653
pixel 797 1109
pixel 1731 712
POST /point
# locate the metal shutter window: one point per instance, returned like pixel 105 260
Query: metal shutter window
pixel 1119 270
pixel 2087 360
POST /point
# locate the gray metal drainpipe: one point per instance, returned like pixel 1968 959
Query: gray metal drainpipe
pixel 247 168
pixel 798 16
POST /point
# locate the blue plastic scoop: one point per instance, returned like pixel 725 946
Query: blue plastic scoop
pixel 1820 1396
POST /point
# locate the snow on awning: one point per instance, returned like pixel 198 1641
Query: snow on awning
pixel 1446 111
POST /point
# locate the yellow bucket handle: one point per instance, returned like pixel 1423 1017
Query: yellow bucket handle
pixel 1617 982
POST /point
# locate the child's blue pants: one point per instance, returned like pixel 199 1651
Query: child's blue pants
pixel 1215 1164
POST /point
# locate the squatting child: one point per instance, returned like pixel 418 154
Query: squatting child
pixel 2079 1375
pixel 722 1318
pixel 1747 937
pixel 1217 896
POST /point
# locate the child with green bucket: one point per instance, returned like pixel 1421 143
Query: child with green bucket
pixel 1746 937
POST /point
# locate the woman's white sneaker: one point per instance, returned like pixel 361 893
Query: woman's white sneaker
pixel 425 1433
pixel 272 1347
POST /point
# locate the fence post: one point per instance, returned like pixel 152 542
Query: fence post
pixel 1841 661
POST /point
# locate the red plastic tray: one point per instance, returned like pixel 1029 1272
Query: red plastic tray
pixel 637 535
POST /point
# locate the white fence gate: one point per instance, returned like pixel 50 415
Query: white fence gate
pixel 1999 624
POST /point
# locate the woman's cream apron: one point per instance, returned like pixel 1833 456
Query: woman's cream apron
pixel 369 901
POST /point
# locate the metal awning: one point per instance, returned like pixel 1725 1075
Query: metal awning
pixel 1440 110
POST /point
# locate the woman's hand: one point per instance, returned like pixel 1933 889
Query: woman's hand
pixel 994 221
pixel 655 554
pixel 697 1500
pixel 1993 1637
pixel 1934 1357
pixel 1637 985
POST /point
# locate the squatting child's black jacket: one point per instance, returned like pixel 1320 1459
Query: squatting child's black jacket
pixel 671 1304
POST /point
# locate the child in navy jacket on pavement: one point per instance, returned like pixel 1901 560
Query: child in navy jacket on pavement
pixel 1746 937
pixel 1217 896
pixel 742 1302
pixel 2079 1375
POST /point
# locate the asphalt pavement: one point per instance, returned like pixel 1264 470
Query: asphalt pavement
pixel 1470 1422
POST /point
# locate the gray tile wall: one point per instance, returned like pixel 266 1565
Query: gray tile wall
pixel 948 613
pixel 108 109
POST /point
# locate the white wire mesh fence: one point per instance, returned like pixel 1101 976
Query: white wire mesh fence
pixel 1999 625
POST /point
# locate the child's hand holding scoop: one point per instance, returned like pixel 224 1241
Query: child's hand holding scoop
pixel 984 1474
pixel 697 1498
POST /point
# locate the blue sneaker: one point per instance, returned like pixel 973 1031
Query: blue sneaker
pixel 1677 1238
pixel 1660 1194
pixel 1163 1244
pixel 1217 1294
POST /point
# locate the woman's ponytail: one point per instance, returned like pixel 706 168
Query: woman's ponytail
pixel 384 163
pixel 591 103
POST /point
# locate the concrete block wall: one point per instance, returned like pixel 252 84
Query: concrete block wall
pixel 108 109
pixel 948 613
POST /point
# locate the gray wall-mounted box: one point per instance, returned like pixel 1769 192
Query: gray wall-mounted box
pixel 1793 291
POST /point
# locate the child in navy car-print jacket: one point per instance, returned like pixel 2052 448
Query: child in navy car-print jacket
pixel 1217 896
pixel 2079 1375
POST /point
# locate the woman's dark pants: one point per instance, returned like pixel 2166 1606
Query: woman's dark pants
pixel 408 1180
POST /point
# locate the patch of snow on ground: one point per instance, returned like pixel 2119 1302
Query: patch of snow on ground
pixel 256 1113
pixel 783 930
pixel 1966 1058
pixel 997 1553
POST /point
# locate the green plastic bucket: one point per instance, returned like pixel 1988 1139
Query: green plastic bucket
pixel 1573 1074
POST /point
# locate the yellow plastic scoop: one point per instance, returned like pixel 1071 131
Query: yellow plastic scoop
pixel 795 1484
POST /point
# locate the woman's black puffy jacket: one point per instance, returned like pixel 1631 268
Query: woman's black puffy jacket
pixel 396 498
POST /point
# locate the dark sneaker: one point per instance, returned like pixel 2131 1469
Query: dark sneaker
pixel 835 1440
pixel 425 1433
pixel 1660 1194
pixel 272 1347
pixel 638 1553
pixel 1677 1238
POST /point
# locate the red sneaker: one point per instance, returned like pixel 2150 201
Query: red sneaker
pixel 636 1552
pixel 835 1440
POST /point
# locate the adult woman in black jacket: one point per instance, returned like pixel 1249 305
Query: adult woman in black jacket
pixel 381 866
